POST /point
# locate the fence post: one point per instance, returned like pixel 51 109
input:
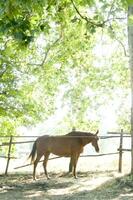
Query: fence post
pixel 120 152
pixel 9 151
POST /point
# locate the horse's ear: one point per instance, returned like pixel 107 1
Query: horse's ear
pixel 97 132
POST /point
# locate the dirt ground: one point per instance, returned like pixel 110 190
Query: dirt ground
pixel 97 185
pixel 98 179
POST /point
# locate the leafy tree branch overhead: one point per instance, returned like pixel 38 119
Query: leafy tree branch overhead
pixel 49 49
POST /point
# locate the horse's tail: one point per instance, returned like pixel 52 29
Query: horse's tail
pixel 32 155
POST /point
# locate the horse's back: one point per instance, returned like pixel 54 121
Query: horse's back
pixel 59 145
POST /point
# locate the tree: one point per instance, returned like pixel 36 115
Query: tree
pixel 130 42
pixel 64 62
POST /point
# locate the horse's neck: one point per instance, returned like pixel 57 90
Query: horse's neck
pixel 86 140
pixel 84 137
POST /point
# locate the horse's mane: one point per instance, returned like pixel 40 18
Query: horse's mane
pixel 79 133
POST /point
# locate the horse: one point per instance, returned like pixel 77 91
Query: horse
pixel 69 145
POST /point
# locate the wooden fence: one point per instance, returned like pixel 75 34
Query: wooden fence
pixel 120 149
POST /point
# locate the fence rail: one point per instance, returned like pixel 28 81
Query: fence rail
pixel 82 156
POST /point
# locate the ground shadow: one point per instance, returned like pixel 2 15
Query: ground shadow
pixel 118 188
pixel 22 187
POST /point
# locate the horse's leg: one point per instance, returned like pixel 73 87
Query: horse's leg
pixel 70 165
pixel 35 165
pixel 46 156
pixel 74 163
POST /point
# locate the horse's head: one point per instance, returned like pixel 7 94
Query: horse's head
pixel 95 141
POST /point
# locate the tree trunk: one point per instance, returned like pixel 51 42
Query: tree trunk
pixel 130 44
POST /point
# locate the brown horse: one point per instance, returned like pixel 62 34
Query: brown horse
pixel 69 145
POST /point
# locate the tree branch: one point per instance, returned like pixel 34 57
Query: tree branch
pixel 49 48
pixel 112 19
pixel 88 20
pixel 3 72
pixel 119 41
pixel 99 24
pixel 110 9
pixel 46 53
pixel 123 46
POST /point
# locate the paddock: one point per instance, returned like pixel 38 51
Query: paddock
pixel 98 178
pixel 98 175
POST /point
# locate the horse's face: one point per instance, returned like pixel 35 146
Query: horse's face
pixel 95 142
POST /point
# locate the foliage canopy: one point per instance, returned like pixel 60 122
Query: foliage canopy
pixel 49 60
